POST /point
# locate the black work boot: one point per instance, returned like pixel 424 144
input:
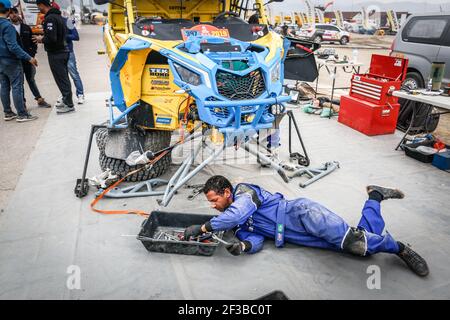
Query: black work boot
pixel 387 193
pixel 414 261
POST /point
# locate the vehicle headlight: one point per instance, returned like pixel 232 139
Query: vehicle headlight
pixel 275 73
pixel 187 75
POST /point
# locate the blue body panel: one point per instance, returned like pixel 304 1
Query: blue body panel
pixel 231 117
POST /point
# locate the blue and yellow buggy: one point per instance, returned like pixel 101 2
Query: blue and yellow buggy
pixel 175 63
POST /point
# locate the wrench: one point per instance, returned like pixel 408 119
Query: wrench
pixel 215 237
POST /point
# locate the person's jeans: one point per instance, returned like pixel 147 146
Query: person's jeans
pixel 59 67
pixel 73 71
pixel 30 71
pixel 11 79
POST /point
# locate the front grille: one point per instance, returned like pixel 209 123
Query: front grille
pixel 221 112
pixel 235 87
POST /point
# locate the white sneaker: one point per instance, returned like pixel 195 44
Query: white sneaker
pixel 26 118
pixel 80 99
pixel 59 104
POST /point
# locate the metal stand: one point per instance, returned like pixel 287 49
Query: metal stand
pixel 316 173
pixel 141 189
pixel 182 175
pixel 303 160
pixel 82 185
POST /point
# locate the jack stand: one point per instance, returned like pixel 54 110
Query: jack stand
pixel 302 160
pixel 316 173
pixel 82 185
pixel 182 175
pixel 259 155
pixel 136 190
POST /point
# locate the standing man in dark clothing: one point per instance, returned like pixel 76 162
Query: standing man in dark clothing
pixel 28 45
pixel 54 40
pixel 72 35
pixel 11 72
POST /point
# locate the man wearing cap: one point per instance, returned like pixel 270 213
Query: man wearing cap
pixel 11 72
pixel 54 40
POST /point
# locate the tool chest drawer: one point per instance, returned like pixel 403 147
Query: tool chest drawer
pixel 385 75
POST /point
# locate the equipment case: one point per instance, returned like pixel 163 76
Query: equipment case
pixel 370 108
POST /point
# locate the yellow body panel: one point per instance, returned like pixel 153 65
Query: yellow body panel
pixel 166 106
pixel 111 46
pixel 273 41
pixel 158 90
pixel 153 83
pixel 131 75
pixel 200 10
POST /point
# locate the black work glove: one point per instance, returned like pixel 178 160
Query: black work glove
pixel 234 247
pixel 192 232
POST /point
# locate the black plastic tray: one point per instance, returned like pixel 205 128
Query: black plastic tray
pixel 167 221
pixel 410 151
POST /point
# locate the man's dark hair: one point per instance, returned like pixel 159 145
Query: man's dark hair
pixel 14 9
pixel 44 2
pixel 218 184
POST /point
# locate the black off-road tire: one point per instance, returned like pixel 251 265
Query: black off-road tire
pixel 100 137
pixel 161 139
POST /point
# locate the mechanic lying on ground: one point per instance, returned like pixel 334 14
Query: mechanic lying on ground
pixel 255 214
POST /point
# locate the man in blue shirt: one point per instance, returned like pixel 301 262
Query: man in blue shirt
pixel 255 214
pixel 11 71
pixel 72 35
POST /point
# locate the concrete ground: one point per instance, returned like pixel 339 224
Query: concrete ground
pixel 46 232
pixel 17 140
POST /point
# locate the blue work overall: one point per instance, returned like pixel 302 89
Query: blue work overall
pixel 257 214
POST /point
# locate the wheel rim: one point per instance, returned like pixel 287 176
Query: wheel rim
pixel 411 83
pixel 344 40
pixel 317 40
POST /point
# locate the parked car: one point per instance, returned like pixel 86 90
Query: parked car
pixel 324 33
pixel 424 39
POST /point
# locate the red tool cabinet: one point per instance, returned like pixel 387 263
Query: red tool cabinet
pixel 369 118
pixel 370 108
